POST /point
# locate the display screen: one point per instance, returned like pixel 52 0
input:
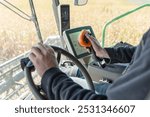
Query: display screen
pixel 71 38
pixel 74 40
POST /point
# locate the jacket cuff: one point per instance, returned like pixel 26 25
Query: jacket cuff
pixel 110 52
pixel 47 77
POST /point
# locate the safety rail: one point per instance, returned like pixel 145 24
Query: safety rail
pixel 13 84
pixel 119 17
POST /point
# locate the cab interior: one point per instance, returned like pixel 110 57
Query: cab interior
pixel 13 79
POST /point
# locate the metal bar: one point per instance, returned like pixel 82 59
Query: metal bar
pixel 35 21
pixel 5 85
pixel 16 12
pixel 14 92
pixel 117 18
pixel 55 4
pixel 27 95
pixel 14 59
pixel 17 8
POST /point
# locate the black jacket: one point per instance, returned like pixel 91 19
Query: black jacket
pixel 121 54
pixel 134 84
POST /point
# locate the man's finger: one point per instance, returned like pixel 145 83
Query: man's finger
pixel 49 48
pixel 88 37
pixel 36 51
pixel 42 48
pixel 32 57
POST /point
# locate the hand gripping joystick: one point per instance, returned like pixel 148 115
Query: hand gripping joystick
pixel 84 42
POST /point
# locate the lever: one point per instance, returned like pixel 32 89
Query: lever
pixel 25 62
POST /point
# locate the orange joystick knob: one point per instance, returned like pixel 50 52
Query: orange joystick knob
pixel 83 41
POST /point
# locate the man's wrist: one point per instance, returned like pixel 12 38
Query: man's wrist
pixel 102 54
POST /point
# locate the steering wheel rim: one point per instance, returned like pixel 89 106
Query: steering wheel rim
pixel 58 50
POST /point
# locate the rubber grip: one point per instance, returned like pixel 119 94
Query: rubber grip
pixel 83 41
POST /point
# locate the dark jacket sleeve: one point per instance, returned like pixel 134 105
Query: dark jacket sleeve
pixel 121 54
pixel 58 86
pixel 135 83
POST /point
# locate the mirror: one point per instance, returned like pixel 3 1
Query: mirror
pixel 80 2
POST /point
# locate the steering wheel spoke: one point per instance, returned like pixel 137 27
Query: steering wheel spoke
pixel 58 56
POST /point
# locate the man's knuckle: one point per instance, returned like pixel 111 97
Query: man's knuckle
pixel 36 61
pixel 33 48
pixel 47 51
pixel 41 57
pixel 31 56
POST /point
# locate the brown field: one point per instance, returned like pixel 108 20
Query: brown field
pixel 18 35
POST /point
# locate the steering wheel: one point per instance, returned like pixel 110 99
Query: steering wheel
pixel 35 90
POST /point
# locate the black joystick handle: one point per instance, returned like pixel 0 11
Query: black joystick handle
pixel 25 62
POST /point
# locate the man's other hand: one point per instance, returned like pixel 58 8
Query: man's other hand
pixel 43 58
pixel 100 52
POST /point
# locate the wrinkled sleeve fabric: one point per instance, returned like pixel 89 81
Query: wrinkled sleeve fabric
pixel 135 83
pixel 121 54
pixel 58 86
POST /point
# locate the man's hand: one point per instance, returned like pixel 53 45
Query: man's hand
pixel 100 52
pixel 43 58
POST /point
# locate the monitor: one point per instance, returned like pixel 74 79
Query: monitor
pixel 71 39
